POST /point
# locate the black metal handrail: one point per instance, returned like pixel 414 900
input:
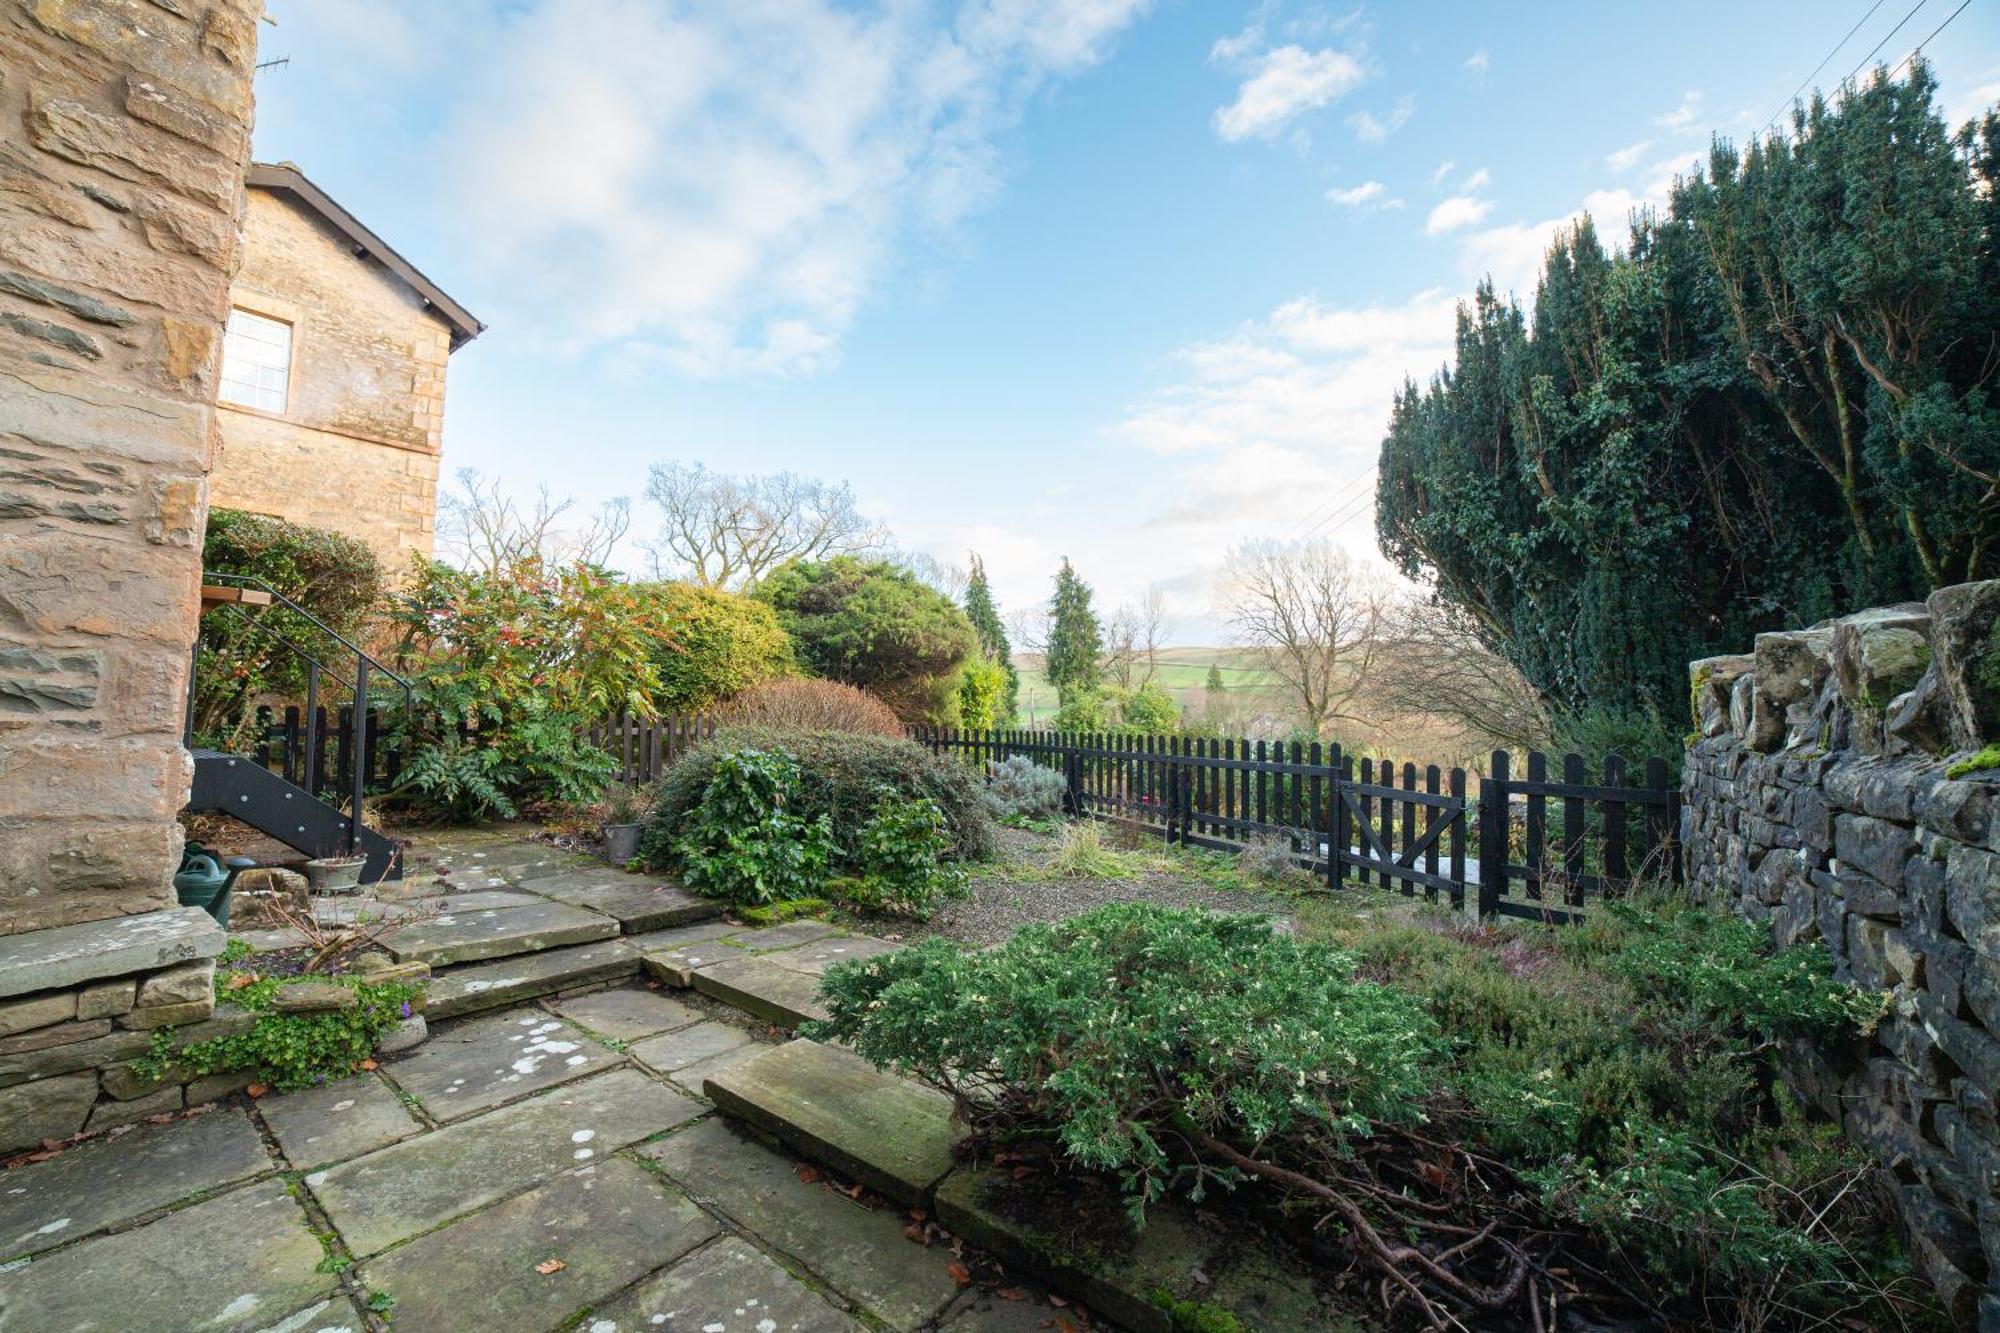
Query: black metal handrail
pixel 365 664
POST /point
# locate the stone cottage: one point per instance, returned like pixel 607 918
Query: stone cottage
pixel 333 370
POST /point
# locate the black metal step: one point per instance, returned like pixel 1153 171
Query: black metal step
pixel 243 789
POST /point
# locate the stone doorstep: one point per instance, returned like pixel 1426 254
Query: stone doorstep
pixel 762 989
pixel 69 956
pixel 892 1135
pixel 469 989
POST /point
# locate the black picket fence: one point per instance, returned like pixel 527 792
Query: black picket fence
pixel 317 753
pixel 1511 846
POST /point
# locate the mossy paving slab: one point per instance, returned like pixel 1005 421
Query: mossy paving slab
pixel 628 1013
pixel 97 1185
pixel 762 988
pixel 498 932
pixel 817 957
pixel 828 1104
pixel 728 1285
pixel 241 1261
pixel 477 1064
pixel 695 1077
pixel 607 1225
pixel 859 1251
pixel 1119 1276
pixel 471 988
pixel 396 1192
pixel 789 935
pixel 343 1119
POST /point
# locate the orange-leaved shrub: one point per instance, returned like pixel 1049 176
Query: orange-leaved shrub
pixel 811 705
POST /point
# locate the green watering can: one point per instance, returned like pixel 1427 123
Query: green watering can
pixel 205 884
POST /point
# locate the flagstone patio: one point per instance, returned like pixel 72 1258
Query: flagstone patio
pixel 548 1159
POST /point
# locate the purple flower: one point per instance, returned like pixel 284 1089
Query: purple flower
pixel 406 1008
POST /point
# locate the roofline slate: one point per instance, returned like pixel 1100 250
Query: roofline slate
pixel 284 177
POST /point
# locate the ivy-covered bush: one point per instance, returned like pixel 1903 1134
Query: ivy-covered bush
pixel 1133 1032
pixel 841 775
pixel 744 841
pixel 334 577
pixel 714 645
pixel 1019 788
pixel 900 859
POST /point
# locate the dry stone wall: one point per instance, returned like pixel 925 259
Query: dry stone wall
pixel 124 134
pixel 1844 785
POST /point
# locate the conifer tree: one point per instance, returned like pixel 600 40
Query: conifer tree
pixel 1075 642
pixel 1214 683
pixel 984 613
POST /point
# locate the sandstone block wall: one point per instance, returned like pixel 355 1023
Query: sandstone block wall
pixel 1838 789
pixel 126 135
pixel 356 449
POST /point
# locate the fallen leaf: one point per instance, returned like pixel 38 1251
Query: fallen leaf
pixel 258 1089
pixel 1023 1172
pixel 1011 1294
pixel 1060 1302
pixel 242 979
pixel 915 1234
pixel 959 1272
pixel 547 1266
pixel 808 1175
pixel 853 1192
pixel 368 1064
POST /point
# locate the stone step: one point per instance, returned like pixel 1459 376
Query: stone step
pixel 763 989
pixel 639 905
pixel 888 1133
pixel 469 989
pixel 499 932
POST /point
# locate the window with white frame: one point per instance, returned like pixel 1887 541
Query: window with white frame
pixel 256 361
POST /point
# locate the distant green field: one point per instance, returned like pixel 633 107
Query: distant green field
pixel 1183 671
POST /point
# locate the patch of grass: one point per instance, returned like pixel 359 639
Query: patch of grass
pixel 1084 852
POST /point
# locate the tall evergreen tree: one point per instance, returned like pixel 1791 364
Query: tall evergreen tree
pixel 1076 644
pixel 1214 683
pixel 984 613
pixel 1774 405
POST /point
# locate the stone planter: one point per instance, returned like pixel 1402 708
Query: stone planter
pixel 335 874
pixel 621 842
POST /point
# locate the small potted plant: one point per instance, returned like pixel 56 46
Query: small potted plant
pixel 335 874
pixel 624 816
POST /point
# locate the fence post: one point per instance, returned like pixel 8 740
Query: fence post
pixel 1493 835
pixel 1073 770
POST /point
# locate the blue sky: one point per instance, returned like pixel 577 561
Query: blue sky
pixel 1126 281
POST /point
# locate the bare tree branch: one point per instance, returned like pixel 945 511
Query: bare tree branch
pixel 483 529
pixel 1317 615
pixel 1443 668
pixel 729 532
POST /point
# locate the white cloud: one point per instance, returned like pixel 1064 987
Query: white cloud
pixel 1461 210
pixel 1444 169
pixel 1624 159
pixel 717 186
pixel 1282 84
pixel 1370 130
pixel 1368 194
pixel 1478 180
pixel 1479 62
pixel 1683 116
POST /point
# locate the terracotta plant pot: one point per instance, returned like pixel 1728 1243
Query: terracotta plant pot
pixel 335 874
pixel 621 842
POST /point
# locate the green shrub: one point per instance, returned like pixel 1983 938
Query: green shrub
pixel 1019 788
pixel 980 703
pixel 812 705
pixel 334 577
pixel 840 775
pixel 1132 1028
pixel 287 1051
pixel 900 858
pixel 1149 711
pixel 744 841
pixel 714 645
pixel 875 625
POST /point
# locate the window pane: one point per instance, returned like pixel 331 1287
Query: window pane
pixel 256 361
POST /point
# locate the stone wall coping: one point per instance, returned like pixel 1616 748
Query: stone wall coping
pixel 60 956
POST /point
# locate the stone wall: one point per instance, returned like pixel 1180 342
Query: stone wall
pixel 126 135
pixel 1838 789
pixel 356 449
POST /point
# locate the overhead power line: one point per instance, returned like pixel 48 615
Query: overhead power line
pixel 1928 40
pixel 1807 81
pixel 1891 33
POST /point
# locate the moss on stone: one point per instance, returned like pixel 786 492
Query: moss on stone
pixel 1986 759
pixel 1197 1316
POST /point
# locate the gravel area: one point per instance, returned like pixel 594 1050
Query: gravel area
pixel 1002 902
